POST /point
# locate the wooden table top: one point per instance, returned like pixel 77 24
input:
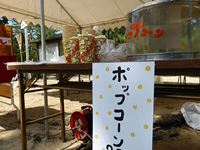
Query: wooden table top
pixel 50 67
pixel 162 67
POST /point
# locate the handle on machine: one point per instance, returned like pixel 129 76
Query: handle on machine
pixel 86 107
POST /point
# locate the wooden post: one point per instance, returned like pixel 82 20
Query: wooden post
pixel 22 112
pixel 62 110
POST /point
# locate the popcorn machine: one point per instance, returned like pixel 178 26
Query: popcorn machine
pixel 164 30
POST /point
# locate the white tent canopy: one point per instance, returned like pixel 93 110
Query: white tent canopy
pixel 82 13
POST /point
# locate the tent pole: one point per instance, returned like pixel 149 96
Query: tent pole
pixel 44 59
pixel 80 30
pixel 26 44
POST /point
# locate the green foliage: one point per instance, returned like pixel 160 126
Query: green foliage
pixel 116 34
pixel 16 50
pixel 34 32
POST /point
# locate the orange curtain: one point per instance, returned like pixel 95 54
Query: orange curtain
pixel 5 40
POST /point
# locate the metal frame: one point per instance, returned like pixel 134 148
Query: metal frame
pixel 165 67
pixel 23 122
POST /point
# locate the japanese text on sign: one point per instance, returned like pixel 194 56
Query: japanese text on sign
pixel 137 29
pixel 5 41
pixel 123 93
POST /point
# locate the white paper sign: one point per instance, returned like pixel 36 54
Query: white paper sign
pixel 123 97
pixel 5 41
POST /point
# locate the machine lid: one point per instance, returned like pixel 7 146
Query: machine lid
pixel 158 2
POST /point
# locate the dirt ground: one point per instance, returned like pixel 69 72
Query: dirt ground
pixel 179 137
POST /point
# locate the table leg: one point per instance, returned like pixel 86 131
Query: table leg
pixel 46 125
pixel 62 111
pixel 22 112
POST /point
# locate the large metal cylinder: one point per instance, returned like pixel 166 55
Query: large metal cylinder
pixel 165 29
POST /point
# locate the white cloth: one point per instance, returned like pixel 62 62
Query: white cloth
pixel 191 113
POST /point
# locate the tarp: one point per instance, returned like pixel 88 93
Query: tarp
pixel 84 12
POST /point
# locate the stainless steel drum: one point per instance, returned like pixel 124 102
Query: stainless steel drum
pixel 167 29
